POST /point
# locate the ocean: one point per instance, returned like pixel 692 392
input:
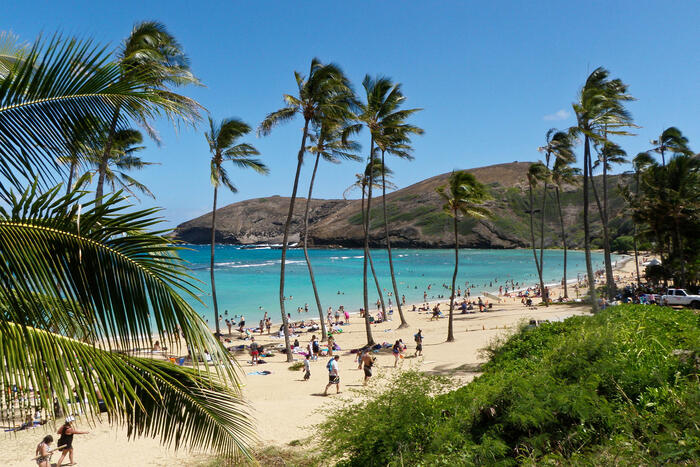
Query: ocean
pixel 247 280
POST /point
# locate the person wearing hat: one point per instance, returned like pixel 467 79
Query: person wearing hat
pixel 66 440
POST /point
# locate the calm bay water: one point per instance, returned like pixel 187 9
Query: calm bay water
pixel 247 281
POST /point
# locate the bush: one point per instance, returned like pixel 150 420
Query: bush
pixel 618 387
pixel 624 244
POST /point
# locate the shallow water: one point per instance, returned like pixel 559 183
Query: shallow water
pixel 247 281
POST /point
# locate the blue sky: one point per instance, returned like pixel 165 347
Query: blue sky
pixel 491 76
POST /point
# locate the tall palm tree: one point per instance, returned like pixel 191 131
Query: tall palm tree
pixel 558 145
pixel 563 174
pixel 152 58
pixel 224 147
pixel 333 145
pixel 90 283
pixel 324 93
pixel 535 174
pixel 640 163
pixel 599 111
pixel 671 139
pixel 380 114
pixel 610 153
pixel 371 176
pixel 464 195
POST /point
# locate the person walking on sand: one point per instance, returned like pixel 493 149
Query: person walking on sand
pixel 43 453
pixel 368 362
pixel 333 375
pixel 66 440
pixel 307 368
pixel 396 350
pixel 419 342
pixel 254 351
pixel 331 342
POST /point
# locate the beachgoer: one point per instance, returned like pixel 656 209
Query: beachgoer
pixel 333 375
pixel 66 440
pixel 396 350
pixel 43 452
pixel 347 316
pixel 241 323
pixel 368 362
pixel 254 350
pixel 337 316
pixel 262 326
pixel 307 369
pixel 315 347
pixel 228 325
pixel 419 342
pixel 331 341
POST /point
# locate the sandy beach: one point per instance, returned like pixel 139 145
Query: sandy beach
pixel 286 408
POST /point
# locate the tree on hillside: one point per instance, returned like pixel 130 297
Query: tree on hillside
pixel 152 59
pixel 536 173
pixel 563 174
pixel 391 134
pixel 558 145
pixel 599 111
pixel 331 144
pixel 464 195
pixel 224 147
pixel 673 141
pixel 83 285
pixel 324 93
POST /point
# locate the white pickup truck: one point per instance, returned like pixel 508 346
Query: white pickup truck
pixel 679 297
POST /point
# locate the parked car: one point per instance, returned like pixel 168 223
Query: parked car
pixel 679 297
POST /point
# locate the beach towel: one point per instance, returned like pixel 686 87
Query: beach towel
pixel 262 373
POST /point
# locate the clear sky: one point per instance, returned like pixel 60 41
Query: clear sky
pixel 491 76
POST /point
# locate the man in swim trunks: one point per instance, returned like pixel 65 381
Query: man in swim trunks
pixel 254 350
pixel 333 375
pixel 368 362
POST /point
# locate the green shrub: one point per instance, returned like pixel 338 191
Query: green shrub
pixel 618 387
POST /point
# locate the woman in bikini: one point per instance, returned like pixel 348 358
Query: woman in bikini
pixel 43 452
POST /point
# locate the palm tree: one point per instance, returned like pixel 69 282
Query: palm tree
pixel 333 145
pixel 563 174
pixel 464 195
pixel 325 93
pixel 535 174
pixel 153 59
pixel 82 285
pixel 558 145
pixel 671 139
pixel 609 154
pixel 224 147
pixel 640 163
pixel 391 134
pixel 380 114
pixel 599 111
pixel 371 176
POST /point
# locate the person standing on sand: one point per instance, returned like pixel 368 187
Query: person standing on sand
pixel 307 369
pixel 331 341
pixel 419 342
pixel 368 362
pixel 254 351
pixel 66 439
pixel 333 375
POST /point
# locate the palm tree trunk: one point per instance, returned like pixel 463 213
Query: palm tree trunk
pixel 563 238
pixel 545 295
pixel 532 238
pixel 368 328
pixel 403 324
pixel 376 283
pixel 587 227
pixel 102 168
pixel 285 239
pixel 634 239
pixel 679 248
pixel 306 251
pixel 71 174
pixel 609 279
pixel 450 328
pixel 211 264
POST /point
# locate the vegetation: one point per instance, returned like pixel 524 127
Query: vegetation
pixel 462 195
pixel 86 281
pixel 224 147
pixel 620 387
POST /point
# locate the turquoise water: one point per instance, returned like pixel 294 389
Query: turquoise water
pixel 247 281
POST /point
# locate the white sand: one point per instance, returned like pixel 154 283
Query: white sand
pixel 286 408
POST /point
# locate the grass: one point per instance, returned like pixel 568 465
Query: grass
pixel 618 388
